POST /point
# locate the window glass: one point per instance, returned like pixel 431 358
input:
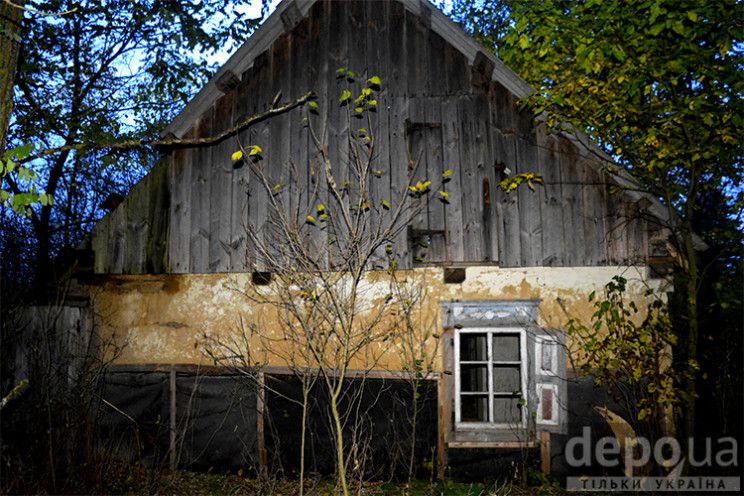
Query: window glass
pixel 506 347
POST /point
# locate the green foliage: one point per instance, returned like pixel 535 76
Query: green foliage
pixel 511 183
pixel 622 347
pixel 105 71
pixel 26 192
pixel 658 84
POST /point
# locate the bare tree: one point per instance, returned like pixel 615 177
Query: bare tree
pixel 315 248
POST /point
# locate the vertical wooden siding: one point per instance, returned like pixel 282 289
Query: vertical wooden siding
pixel 190 215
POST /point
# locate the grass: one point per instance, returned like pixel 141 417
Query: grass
pixel 136 480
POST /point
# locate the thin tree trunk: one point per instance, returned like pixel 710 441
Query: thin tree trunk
pixel 10 30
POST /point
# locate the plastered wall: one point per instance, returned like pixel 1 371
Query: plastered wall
pixel 174 318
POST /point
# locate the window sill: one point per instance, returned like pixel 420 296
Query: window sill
pixel 493 444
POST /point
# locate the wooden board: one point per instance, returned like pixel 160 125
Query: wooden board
pixel 529 202
pixel 137 206
pixel 180 210
pixel 455 250
pixel 200 197
pixel 470 180
pixel 221 207
pixel 552 201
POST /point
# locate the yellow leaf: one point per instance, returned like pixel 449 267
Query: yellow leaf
pixel 321 207
pixel 444 194
pixel 313 104
pixel 255 150
pixel 310 218
pixel 374 80
pixel 237 156
pixel 385 204
pixel 447 173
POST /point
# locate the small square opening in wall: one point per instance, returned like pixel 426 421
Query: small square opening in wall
pixel 262 278
pixel 454 275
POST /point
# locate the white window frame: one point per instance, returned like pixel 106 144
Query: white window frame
pixel 523 370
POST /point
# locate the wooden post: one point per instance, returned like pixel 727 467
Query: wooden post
pixel 172 423
pixel 545 452
pixel 442 425
pixel 260 405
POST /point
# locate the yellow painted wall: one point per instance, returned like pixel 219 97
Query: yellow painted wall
pixel 170 318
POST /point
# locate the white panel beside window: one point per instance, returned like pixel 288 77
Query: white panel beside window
pixel 547 404
pixel 546 356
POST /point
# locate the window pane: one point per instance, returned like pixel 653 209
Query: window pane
pixel 474 408
pixel 474 378
pixel 473 347
pixel 506 347
pixel 506 379
pixel 506 410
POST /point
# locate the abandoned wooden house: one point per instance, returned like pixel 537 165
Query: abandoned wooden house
pixel 501 272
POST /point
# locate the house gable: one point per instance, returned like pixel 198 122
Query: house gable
pixel 444 104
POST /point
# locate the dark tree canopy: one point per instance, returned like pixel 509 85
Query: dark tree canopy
pixel 100 71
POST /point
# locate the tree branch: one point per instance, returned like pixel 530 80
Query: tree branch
pixel 173 142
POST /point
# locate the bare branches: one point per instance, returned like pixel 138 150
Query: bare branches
pixel 172 142
pixel 38 12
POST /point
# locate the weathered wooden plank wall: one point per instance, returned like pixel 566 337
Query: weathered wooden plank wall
pixel 436 110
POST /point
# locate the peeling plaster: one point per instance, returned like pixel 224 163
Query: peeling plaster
pixel 164 319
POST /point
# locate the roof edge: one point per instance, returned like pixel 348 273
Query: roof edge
pixel 238 63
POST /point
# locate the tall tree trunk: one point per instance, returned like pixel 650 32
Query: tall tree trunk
pixel 10 29
pixel 692 335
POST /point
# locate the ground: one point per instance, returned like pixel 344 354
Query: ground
pixel 131 480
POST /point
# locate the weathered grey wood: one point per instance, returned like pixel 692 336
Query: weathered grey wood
pixel 417 130
pixel 303 185
pixel 487 215
pixel 529 207
pixel 616 224
pixel 398 55
pixel 503 119
pixel 202 203
pixel 101 245
pixel 435 168
pixel 221 208
pixel 200 198
pixel 378 46
pixel 455 250
pixel 336 139
pixel 159 216
pixel 117 239
pixel 399 175
pixel 416 50
pixel 278 152
pixel 636 230
pixel 470 180
pixel 318 80
pixel 594 200
pixel 573 210
pixel 552 200
pixel 258 200
pixel 456 71
pixel 437 81
pixel 137 206
pixel 179 238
